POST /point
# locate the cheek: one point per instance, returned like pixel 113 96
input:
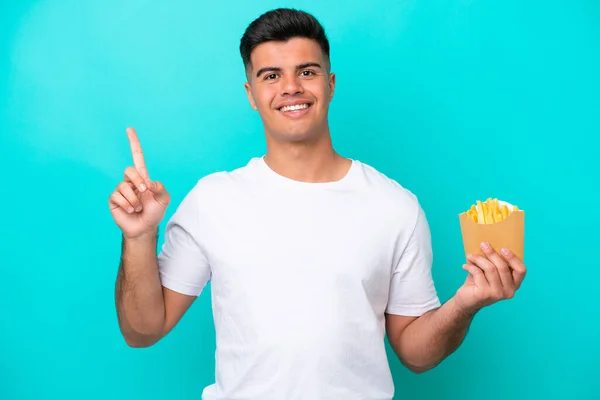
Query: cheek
pixel 319 91
pixel 264 98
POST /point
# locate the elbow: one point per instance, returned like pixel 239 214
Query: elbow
pixel 416 365
pixel 137 341
pixel 418 368
pixel 140 339
pixel 416 361
pixel 139 344
pixel 141 335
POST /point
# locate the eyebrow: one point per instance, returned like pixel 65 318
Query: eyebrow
pixel 277 69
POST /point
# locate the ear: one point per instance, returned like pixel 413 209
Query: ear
pixel 249 94
pixel 331 85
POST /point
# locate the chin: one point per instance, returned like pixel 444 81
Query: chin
pixel 295 136
pixel 298 133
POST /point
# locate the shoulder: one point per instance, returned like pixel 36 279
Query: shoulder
pixel 219 186
pixel 385 189
pixel 396 205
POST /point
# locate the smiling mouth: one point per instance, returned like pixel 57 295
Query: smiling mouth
pixel 296 108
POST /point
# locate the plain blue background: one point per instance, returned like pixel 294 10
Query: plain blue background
pixel 457 100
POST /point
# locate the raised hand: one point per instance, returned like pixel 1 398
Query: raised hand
pixel 491 278
pixel 138 204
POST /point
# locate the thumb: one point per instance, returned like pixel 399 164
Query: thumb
pixel 160 193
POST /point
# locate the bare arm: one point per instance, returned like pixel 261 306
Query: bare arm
pixel 422 343
pixel 146 311
pixel 139 299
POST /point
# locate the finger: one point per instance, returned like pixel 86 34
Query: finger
pixel 516 265
pixel 160 193
pixel 502 267
pixel 478 275
pixel 470 280
pixel 136 151
pixel 116 200
pixel 127 192
pixel 490 271
pixel 134 176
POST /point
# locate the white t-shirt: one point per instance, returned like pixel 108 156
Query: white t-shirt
pixel 301 275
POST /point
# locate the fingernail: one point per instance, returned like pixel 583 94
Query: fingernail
pixel 142 187
pixel 505 252
pixel 138 208
pixel 130 210
pixel 485 245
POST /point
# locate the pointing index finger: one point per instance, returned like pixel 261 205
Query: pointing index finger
pixel 136 151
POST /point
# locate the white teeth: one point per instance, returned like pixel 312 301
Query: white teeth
pixel 294 108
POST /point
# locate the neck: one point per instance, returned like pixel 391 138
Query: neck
pixel 315 161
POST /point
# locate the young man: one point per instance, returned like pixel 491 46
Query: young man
pixel 312 257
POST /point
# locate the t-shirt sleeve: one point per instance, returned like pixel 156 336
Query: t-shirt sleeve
pixel 412 290
pixel 182 262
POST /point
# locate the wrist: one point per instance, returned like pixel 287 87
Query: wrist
pixel 144 237
pixel 460 310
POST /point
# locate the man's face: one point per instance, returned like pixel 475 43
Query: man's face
pixel 290 86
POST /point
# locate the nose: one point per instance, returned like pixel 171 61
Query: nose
pixel 291 85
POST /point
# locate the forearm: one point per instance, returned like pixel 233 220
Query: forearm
pixel 139 297
pixel 432 337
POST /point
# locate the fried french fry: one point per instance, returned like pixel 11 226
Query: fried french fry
pixel 504 211
pixel 489 211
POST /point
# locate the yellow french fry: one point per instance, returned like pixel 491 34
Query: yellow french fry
pixel 489 211
pixel 480 217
